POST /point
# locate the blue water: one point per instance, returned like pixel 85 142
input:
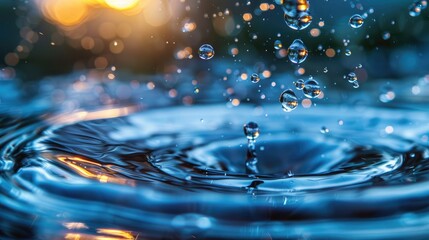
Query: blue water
pixel 179 172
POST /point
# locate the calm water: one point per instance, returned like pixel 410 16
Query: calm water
pixel 179 172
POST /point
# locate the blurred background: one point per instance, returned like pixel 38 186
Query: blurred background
pixel 48 38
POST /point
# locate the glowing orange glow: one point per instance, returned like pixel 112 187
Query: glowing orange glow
pixel 101 114
pixel 122 4
pixel 116 232
pixel 90 169
pixel 247 17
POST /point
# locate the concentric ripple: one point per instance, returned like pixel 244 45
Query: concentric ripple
pixel 180 172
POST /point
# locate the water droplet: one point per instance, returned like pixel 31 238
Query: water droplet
pixel 299 84
pixel 288 100
pixel 311 89
pixel 255 78
pixel 278 45
pixel 348 52
pixel 206 52
pixel 324 130
pixel 251 130
pixel 299 21
pixel 196 90
pixel 356 21
pixel 355 84
pixel 297 51
pixel 386 94
pixel 386 36
pixel 293 7
pixel 325 70
pixel 351 77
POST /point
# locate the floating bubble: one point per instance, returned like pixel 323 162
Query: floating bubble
pixel 299 21
pixel 356 21
pixel 297 51
pixel 251 130
pixel 255 78
pixel 348 53
pixel 206 52
pixel 299 84
pixel 351 77
pixel 288 100
pixel 278 45
pixel 311 88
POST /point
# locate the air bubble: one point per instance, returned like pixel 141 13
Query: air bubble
pixel 255 78
pixel 356 21
pixel 299 84
pixel 206 52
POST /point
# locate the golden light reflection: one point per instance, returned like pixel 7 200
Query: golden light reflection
pixel 74 12
pixel 86 116
pixel 103 234
pixel 90 169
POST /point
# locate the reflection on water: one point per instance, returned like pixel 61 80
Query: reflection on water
pixel 114 174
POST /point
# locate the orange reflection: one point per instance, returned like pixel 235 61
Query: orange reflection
pixel 86 116
pixel 90 169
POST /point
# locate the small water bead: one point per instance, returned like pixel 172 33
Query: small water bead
pixel 351 77
pixel 251 130
pixel 324 130
pixel 311 88
pixel 297 51
pixel 298 22
pixel 348 53
pixel 288 100
pixel 206 52
pixel 356 21
pixel 299 84
pixel 355 84
pixel 386 36
pixel 278 45
pixel 255 78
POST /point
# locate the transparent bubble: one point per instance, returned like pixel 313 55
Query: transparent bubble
pixel 311 88
pixel 299 21
pixel 278 45
pixel 356 21
pixel 348 52
pixel 206 52
pixel 297 51
pixel 299 84
pixel 255 78
pixel 251 130
pixel 351 77
pixel 288 100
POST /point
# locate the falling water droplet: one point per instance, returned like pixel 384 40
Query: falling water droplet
pixel 356 21
pixel 351 77
pixel 251 130
pixel 299 21
pixel 311 88
pixel 297 51
pixel 299 84
pixel 278 45
pixel 255 78
pixel 206 52
pixel 324 130
pixel 348 53
pixel 288 100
